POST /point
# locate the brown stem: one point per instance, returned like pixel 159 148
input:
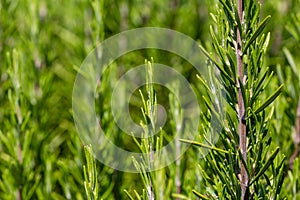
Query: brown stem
pixel 19 196
pixel 298 122
pixel 296 136
pixel 178 146
pixel 241 105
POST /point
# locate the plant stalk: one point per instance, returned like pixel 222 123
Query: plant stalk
pixel 296 137
pixel 298 122
pixel 177 178
pixel 241 106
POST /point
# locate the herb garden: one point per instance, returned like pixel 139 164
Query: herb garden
pixel 161 99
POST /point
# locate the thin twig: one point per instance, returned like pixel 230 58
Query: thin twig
pixel 296 136
pixel 178 146
pixel 241 105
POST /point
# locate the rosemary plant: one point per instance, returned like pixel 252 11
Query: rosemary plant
pixel 150 146
pixel 43 42
pixel 90 174
pixel 249 169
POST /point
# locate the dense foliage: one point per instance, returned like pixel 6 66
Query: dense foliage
pixel 42 45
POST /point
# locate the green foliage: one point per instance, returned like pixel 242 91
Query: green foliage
pixel 264 171
pixel 90 174
pixel 43 43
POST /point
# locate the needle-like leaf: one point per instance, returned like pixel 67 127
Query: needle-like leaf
pixel 257 32
pixel 269 100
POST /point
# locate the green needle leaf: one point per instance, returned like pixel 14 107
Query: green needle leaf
pixel 179 196
pixel 269 100
pixel 228 12
pixel 201 196
pixel 265 167
pixel 217 65
pixel 291 61
pixel 128 195
pixel 203 145
pixel 258 31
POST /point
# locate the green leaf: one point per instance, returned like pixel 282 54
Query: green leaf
pixel 237 19
pixel 280 180
pixel 232 65
pixel 204 83
pixel 257 32
pixel 128 195
pixel 228 12
pixel 137 195
pixel 201 196
pixel 269 100
pixel 291 61
pixel 255 17
pixel 265 167
pixel 260 86
pixel 213 17
pixel 205 176
pixel 90 174
pixel 218 47
pixel 259 155
pixel 179 196
pixel 265 44
pixel 203 145
pixel 223 72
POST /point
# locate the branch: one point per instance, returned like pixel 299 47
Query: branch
pixel 241 106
